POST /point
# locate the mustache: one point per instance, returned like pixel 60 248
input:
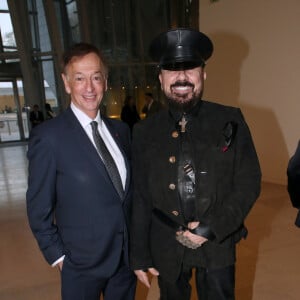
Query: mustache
pixel 182 83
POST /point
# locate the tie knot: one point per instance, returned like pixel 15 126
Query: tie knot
pixel 94 125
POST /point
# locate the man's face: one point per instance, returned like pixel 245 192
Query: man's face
pixel 86 82
pixel 183 88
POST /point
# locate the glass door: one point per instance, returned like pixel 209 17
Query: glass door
pixel 13 112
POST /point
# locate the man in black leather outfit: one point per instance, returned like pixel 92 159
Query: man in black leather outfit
pixel 196 177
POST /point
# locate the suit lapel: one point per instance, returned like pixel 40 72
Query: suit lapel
pixel 84 143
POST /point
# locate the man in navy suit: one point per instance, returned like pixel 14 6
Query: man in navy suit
pixel 75 212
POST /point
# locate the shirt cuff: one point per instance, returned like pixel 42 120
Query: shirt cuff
pixel 58 261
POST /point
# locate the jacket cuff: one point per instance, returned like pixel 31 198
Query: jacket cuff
pixel 204 231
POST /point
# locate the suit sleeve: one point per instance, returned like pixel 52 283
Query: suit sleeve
pixel 242 190
pixel 41 196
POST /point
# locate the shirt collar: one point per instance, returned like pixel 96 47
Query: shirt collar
pixel 84 119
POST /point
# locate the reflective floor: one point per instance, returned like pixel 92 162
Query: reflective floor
pixel 268 266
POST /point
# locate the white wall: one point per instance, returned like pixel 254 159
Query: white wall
pixel 256 66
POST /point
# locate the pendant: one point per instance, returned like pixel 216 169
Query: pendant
pixel 183 123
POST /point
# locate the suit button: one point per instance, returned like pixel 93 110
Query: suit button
pixel 172 186
pixel 175 213
pixel 172 159
pixel 175 134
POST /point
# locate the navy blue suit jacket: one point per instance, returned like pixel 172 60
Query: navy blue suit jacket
pixel 72 205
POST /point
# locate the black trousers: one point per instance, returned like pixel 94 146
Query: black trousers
pixel 211 284
pixel 80 286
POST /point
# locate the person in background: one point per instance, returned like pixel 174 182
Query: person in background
pixel 79 187
pixel 293 174
pixel 36 116
pixel 196 176
pixel 129 112
pixel 151 106
pixel 7 109
pixel 49 112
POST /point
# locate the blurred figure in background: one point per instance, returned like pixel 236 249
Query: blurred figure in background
pixel 36 117
pixel 50 114
pixel 129 112
pixel 293 173
pixel 151 105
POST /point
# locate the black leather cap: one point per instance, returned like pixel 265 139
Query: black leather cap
pixel 181 49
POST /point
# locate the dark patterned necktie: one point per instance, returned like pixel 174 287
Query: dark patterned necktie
pixel 108 160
